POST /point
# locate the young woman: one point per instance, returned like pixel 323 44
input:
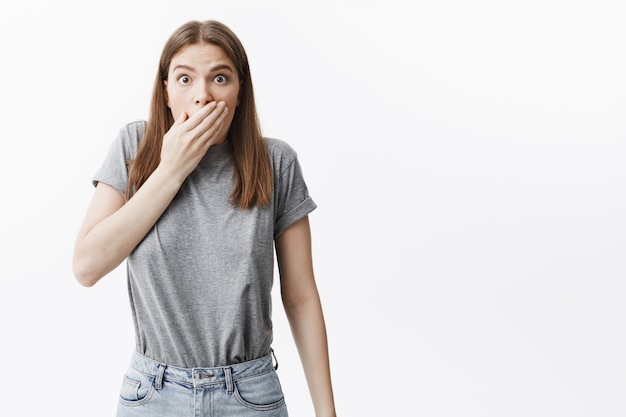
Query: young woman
pixel 195 200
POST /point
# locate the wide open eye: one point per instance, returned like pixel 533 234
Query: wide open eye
pixel 220 79
pixel 184 79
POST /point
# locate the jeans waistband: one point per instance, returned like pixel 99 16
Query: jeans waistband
pixel 197 377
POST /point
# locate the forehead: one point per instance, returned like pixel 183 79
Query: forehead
pixel 201 56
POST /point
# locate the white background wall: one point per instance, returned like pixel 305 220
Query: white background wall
pixel 467 158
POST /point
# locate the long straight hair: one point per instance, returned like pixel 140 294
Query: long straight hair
pixel 253 175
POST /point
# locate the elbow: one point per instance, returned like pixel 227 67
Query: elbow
pixel 293 303
pixel 86 282
pixel 85 279
pixel 84 274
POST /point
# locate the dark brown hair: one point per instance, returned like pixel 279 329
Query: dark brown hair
pixel 253 175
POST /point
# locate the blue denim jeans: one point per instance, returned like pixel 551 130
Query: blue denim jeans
pixel 247 389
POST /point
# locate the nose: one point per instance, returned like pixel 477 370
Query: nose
pixel 202 95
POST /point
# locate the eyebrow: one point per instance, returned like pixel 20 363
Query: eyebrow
pixel 218 67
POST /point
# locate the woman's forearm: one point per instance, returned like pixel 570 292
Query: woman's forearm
pixel 306 320
pixel 102 246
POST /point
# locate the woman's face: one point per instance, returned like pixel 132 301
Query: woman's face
pixel 198 75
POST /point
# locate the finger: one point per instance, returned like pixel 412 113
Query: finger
pixel 198 117
pixel 215 130
pixel 210 119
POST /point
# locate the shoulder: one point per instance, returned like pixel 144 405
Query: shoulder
pixel 130 135
pixel 281 153
pixel 133 130
pixel 279 147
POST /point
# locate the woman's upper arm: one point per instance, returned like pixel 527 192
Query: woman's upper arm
pixel 106 200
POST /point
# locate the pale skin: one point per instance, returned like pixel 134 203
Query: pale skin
pixel 202 93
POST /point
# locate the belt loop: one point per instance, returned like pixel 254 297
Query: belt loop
pixel 229 380
pixel 275 360
pixel 158 382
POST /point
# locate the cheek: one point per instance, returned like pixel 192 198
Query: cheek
pixel 235 98
pixel 175 103
pixel 233 103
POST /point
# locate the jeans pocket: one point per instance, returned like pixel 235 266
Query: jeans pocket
pixel 261 392
pixel 137 388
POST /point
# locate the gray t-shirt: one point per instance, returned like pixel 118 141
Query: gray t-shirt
pixel 200 281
